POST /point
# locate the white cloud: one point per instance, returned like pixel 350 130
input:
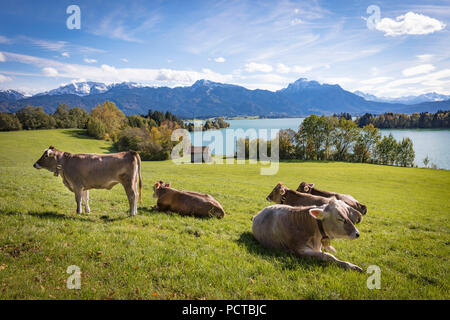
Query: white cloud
pixel 337 80
pixel 65 54
pixel 4 78
pixel 302 69
pixel 423 68
pixel 50 72
pixel 220 59
pixel 410 23
pixel 87 60
pixel 2 57
pixel 438 81
pixel 124 60
pixel 108 74
pixel 376 80
pixel 425 57
pixel 296 21
pixel 4 39
pixel 258 67
pixel 59 46
pixel 282 68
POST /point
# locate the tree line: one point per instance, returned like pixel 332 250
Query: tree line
pixel 340 139
pixel 440 119
pixel 215 124
pixel 150 134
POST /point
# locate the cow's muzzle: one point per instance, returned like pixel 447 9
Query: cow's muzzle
pixel 35 165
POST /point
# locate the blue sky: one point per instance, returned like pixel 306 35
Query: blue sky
pixel 256 44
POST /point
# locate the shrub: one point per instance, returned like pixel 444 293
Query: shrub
pixel 9 122
pixel 96 128
pixel 35 118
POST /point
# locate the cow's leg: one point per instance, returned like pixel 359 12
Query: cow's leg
pixel 327 257
pixel 85 197
pixel 78 196
pixel 130 190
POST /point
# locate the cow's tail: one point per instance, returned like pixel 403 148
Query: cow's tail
pixel 138 158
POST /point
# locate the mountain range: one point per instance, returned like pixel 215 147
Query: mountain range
pixel 207 99
pixel 426 97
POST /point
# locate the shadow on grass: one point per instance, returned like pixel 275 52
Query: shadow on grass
pixel 288 260
pixel 82 134
pixel 61 216
pixel 49 215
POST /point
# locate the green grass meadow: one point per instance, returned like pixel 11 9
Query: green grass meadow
pixel 165 256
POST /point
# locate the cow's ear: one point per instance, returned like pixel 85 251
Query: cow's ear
pixel 311 185
pixel 316 213
pixel 50 153
pixel 282 191
pixel 168 185
pixel 51 147
pixel 157 184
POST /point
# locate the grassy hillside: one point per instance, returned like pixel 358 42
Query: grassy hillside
pixel 164 256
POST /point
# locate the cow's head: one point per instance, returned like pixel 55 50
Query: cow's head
pixel 47 160
pixel 305 187
pixel 158 186
pixel 277 193
pixel 354 215
pixel 354 203
pixel 335 220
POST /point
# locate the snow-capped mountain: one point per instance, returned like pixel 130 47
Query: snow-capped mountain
pixel 427 97
pixel 79 89
pixel 10 95
pixel 206 98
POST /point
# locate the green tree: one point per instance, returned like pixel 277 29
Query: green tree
pixel 346 133
pixel 365 144
pixel 79 117
pixel 62 117
pixel 386 150
pixel 9 122
pixel 405 153
pixel 286 140
pixel 96 128
pixel 35 118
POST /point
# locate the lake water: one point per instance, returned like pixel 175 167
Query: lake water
pixel 434 143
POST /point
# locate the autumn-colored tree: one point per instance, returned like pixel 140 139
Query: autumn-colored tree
pixel 111 117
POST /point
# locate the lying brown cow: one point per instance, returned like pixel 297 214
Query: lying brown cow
pixel 186 202
pixel 348 199
pixel 300 229
pixel 283 195
pixel 81 172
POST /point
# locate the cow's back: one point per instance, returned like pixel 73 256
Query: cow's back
pixel 295 198
pixel 286 227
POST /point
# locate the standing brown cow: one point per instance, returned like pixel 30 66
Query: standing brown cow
pixel 81 172
pixel 348 199
pixel 186 202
